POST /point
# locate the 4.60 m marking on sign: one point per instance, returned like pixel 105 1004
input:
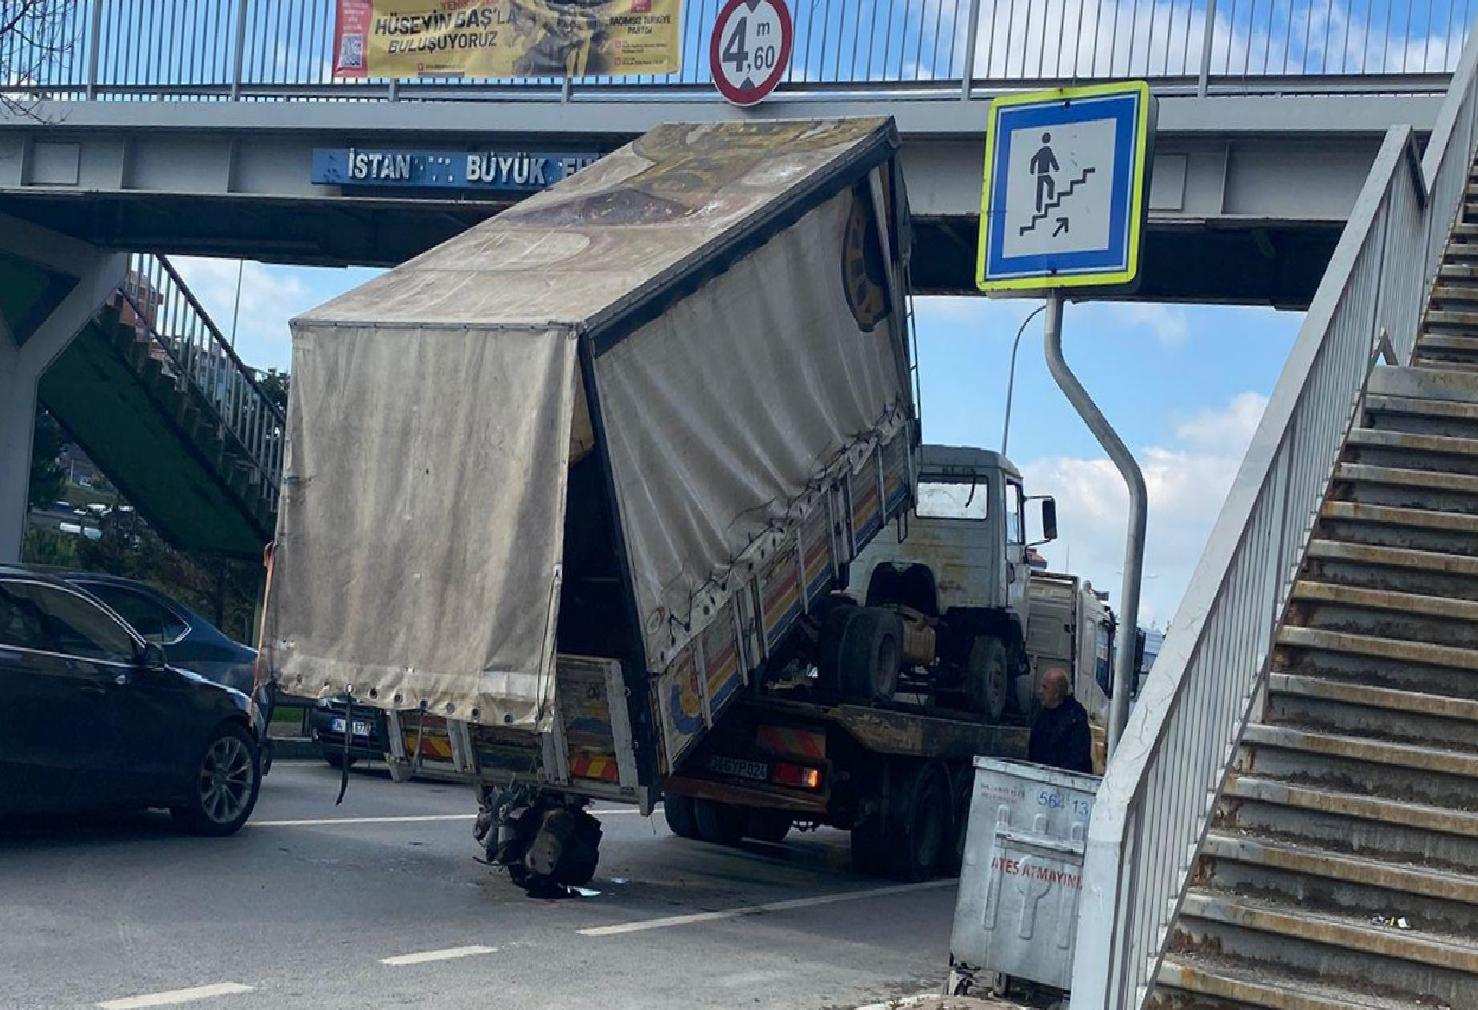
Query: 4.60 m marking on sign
pixel 750 49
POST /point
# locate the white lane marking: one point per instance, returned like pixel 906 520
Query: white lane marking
pixel 773 906
pixel 175 996
pixel 319 822
pixel 437 955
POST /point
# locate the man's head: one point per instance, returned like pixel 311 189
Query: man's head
pixel 1053 688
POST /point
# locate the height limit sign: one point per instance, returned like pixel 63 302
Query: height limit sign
pixel 1063 202
pixel 750 49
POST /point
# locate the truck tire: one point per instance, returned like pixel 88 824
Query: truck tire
pixel 919 824
pixel 870 849
pixel 719 823
pixel 961 783
pixel 871 653
pixel 768 826
pixel 678 812
pixel 987 678
pixel 833 631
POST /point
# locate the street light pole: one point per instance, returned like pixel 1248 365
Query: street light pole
pixel 1138 507
pixel 1011 378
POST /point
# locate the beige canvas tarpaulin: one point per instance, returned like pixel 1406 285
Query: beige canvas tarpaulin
pixel 723 411
pixel 420 527
pixel 433 412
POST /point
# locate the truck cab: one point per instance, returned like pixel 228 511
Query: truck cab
pixel 960 564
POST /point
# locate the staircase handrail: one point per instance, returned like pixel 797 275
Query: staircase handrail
pixel 1161 786
pixel 226 388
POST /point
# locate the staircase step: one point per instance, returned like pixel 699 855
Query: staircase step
pixel 1331 947
pixel 1421 416
pixel 1366 764
pixel 1455 318
pixel 1449 292
pixel 1339 820
pixel 1333 865
pixel 1409 450
pixel 1449 342
pixel 1354 709
pixel 1324 880
pixel 1384 648
pixel 1383 613
pixel 1446 361
pixel 1423 383
pixel 1383 525
pixel 1405 487
pixel 1222 984
pixel 1458 271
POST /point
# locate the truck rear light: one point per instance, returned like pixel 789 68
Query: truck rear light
pixel 797 776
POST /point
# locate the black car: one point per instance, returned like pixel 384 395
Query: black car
pixel 93 716
pixel 187 638
pixel 367 731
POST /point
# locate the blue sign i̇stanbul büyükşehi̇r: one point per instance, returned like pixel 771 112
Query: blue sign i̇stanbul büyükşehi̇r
pixel 515 171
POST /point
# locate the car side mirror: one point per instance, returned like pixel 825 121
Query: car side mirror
pixel 151 657
pixel 1049 519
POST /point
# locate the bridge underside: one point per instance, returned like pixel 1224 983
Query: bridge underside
pixel 1247 199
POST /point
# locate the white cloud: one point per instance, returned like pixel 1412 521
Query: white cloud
pixel 1167 322
pixel 1187 483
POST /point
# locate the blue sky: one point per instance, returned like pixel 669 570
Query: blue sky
pixel 1185 386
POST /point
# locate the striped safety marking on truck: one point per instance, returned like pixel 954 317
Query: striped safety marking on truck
pixel 781 592
pixel 807 743
pixel 867 507
pixel 436 747
pixel 599 767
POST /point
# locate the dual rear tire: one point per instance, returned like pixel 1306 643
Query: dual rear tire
pixel 916 837
pixel 723 823
pixel 861 653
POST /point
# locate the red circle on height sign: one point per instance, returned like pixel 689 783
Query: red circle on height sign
pixel 746 57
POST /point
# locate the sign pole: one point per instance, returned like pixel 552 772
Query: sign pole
pixel 1138 507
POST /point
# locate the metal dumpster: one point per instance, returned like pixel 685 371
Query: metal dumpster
pixel 1018 901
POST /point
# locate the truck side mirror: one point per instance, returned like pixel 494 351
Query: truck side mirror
pixel 1049 519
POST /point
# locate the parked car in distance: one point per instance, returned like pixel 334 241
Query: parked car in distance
pixel 93 716
pixel 367 732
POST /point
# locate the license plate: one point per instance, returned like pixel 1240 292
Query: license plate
pixel 360 728
pixel 739 768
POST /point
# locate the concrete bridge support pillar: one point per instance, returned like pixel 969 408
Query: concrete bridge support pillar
pixel 28 345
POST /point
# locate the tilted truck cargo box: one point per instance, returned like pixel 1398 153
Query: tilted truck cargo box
pixel 555 489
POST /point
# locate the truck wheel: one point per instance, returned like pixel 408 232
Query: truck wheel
pixel 987 679
pixel 871 653
pixel 768 826
pixel 833 631
pixel 919 826
pixel 678 812
pixel 719 823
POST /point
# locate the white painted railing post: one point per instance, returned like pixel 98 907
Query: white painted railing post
pixel 95 47
pixel 972 33
pixel 1208 37
pixel 240 59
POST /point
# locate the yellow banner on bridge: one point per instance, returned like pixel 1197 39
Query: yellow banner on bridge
pixel 506 38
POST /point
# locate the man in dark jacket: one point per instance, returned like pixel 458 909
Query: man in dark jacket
pixel 1060 737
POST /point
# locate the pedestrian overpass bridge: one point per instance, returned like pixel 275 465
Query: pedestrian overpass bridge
pixel 189 126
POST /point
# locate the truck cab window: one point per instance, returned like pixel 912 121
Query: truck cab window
pixel 1015 513
pixel 951 500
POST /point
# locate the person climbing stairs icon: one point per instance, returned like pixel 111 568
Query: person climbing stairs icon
pixel 1042 165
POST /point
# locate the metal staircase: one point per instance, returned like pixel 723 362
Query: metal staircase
pixel 1291 819
pixel 155 395
pixel 1341 869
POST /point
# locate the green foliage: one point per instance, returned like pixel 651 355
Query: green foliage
pixel 48 478
pixel 49 547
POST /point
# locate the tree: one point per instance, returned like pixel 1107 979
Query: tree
pixel 35 36
pixel 48 479
pixel 274 386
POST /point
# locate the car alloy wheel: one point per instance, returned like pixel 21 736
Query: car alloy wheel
pixel 226 779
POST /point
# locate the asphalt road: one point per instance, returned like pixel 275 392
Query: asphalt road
pixel 303 907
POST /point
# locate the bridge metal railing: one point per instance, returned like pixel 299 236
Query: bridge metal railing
pixel 158 303
pixel 282 49
pixel 1160 788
